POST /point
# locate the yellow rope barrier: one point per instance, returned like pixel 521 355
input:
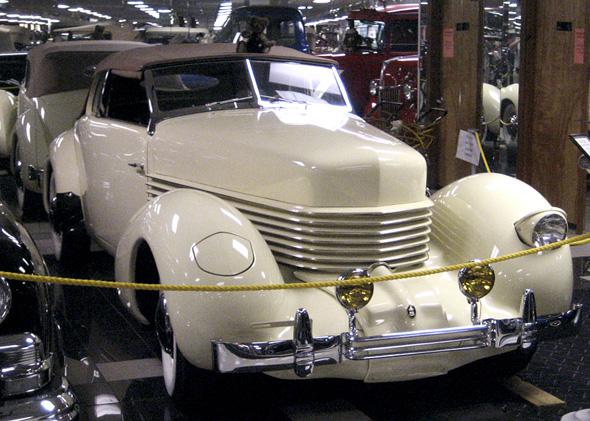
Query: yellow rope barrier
pixel 573 241
pixel 483 155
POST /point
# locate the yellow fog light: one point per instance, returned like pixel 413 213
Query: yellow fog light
pixel 354 297
pixel 476 282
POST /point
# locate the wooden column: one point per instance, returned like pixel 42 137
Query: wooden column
pixel 460 79
pixel 554 101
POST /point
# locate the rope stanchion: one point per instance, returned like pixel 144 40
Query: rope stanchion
pixel 573 241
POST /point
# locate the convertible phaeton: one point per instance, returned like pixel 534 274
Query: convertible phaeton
pixel 197 165
pixel 49 101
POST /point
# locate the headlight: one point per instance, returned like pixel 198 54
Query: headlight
pixel 5 299
pixel 542 228
pixel 408 92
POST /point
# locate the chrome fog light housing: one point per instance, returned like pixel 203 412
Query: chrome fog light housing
pixel 542 228
pixel 5 299
pixel 477 281
pixel 354 297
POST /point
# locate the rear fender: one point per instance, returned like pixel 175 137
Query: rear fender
pixel 63 162
pixel 32 144
pixel 8 105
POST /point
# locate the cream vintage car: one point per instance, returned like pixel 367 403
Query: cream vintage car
pixel 197 165
pixel 49 102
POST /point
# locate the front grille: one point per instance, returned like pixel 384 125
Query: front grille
pixel 334 242
pixel 390 98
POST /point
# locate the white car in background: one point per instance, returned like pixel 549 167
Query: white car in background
pixel 197 165
pixel 49 102
pixel 500 108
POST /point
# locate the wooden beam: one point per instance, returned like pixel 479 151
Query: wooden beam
pixel 531 393
pixel 460 81
pixel 553 101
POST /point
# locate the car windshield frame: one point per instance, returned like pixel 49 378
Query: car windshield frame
pixel 255 100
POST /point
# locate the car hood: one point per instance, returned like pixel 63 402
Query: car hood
pixel 317 157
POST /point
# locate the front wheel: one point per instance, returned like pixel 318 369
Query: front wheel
pixel 183 381
pixel 71 244
pixel 179 374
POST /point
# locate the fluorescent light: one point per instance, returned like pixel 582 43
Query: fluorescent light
pixel 135 2
pixel 63 6
pixel 164 10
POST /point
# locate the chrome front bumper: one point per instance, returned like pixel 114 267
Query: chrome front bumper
pixel 27 389
pixel 304 351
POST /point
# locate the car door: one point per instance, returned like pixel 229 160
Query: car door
pixel 113 140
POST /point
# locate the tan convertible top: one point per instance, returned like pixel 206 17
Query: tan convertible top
pixel 133 62
pixel 59 67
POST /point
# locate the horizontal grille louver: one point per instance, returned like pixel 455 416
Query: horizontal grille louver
pixel 333 242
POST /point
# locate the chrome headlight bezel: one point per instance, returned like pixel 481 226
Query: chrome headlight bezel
pixel 5 299
pixel 541 228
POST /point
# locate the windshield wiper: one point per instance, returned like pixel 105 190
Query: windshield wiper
pixel 276 98
pixel 229 101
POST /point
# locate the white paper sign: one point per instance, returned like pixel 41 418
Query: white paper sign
pixel 467 148
pixel 583 142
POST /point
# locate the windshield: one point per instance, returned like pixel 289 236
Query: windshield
pixel 297 82
pixel 199 84
pixel 243 83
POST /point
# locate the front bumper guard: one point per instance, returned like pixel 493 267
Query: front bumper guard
pixel 28 388
pixel 304 351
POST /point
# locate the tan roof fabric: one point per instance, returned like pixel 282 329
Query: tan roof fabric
pixel 137 60
pixel 59 67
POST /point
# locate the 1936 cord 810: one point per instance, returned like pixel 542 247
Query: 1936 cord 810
pixel 198 165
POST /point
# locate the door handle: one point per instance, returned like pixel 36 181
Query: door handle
pixel 138 165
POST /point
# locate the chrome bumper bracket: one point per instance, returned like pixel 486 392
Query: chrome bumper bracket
pixel 305 351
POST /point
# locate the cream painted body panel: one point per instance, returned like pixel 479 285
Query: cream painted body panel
pixel 115 190
pixel 510 93
pixel 40 120
pixel 65 154
pixel 491 107
pixel 305 157
pixel 8 107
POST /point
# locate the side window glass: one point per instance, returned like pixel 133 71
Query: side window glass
pixel 125 99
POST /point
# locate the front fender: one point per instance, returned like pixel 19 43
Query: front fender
pixel 172 225
pixel 8 105
pixel 474 218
